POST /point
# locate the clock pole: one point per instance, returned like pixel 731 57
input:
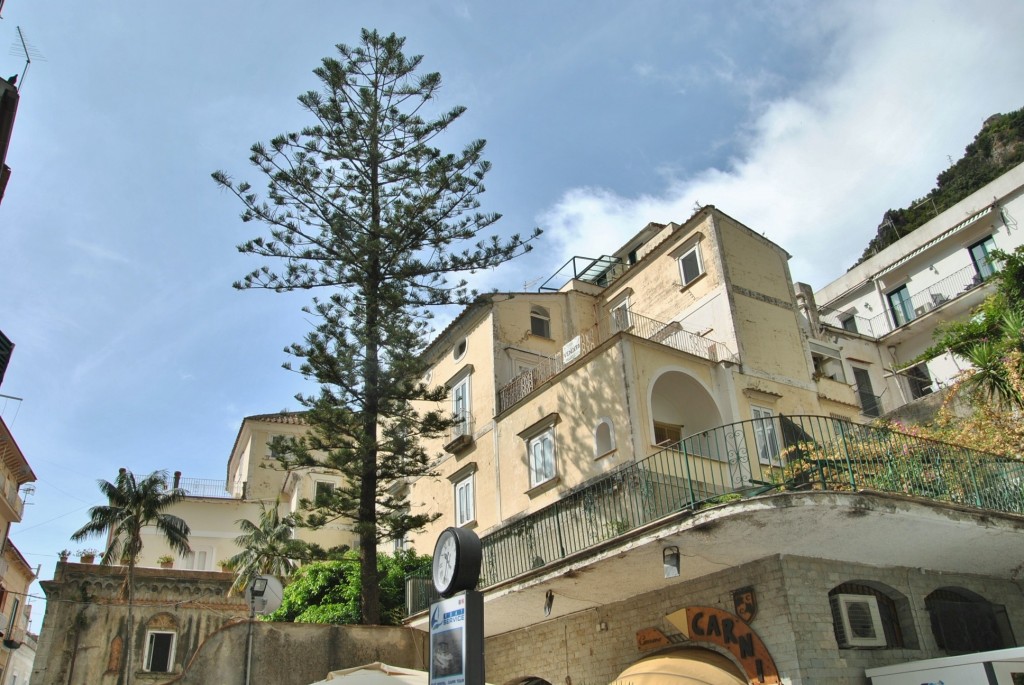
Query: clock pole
pixel 457 621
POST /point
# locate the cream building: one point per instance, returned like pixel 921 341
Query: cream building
pixel 15 612
pixel 214 507
pixel 664 455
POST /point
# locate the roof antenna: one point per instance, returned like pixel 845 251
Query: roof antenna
pixel 29 51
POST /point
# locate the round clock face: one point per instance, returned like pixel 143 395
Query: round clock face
pixel 446 557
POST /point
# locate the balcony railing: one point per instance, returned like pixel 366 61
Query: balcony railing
pixel 204 487
pixel 921 302
pixel 671 335
pixel 741 460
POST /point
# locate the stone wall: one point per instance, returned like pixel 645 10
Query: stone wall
pixel 794 619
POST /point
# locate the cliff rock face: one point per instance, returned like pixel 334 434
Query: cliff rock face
pixel 998 147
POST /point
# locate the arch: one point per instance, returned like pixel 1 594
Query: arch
pixel 894 610
pixel 688 666
pixel 115 654
pixel 604 437
pixel 540 321
pixel 527 680
pixel 964 622
pixel 680 405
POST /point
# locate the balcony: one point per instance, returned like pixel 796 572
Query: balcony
pixel 460 434
pixel 602 272
pixel 921 302
pixel 671 335
pixel 204 487
pixel 796 453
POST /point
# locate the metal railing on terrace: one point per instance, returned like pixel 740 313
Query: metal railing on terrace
pixel 204 487
pixel 920 303
pixel 741 460
pixel 671 335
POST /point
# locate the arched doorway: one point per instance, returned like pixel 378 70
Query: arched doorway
pixel 681 406
pixel 689 666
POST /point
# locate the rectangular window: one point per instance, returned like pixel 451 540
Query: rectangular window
pixel 850 323
pixel 464 501
pixel 159 652
pixel 765 436
pixel 460 407
pixel 690 265
pixel 541 449
pixel 900 306
pixel 540 322
pixel 980 256
pixel 666 434
pixel 322 493
pixel 869 402
pixel 919 380
pixel 620 316
pixel 197 560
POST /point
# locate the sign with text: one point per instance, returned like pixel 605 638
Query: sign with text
pixel 457 640
pixel 572 350
pixel 729 631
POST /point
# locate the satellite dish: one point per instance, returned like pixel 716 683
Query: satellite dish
pixel 267 595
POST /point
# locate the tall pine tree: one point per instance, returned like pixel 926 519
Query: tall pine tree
pixel 362 204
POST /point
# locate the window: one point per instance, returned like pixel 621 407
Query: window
pixel 541 452
pixel 540 322
pixel 965 623
pixel 765 436
pixel 322 492
pixel 159 651
pixel 464 501
pixel 460 407
pixel 620 316
pixel 197 560
pixel 980 255
pixel 866 616
pixel 690 265
pixel 459 350
pixel 919 380
pixel 604 439
pixel 899 305
pixel 849 323
pixel 869 403
pixel 667 434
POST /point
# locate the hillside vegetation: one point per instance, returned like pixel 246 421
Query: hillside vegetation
pixel 998 147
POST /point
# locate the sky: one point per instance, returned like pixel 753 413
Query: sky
pixel 805 120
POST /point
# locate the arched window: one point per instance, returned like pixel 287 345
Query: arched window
pixel 540 321
pixel 604 438
pixel 871 615
pixel 964 622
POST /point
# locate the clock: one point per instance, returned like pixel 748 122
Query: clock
pixel 456 564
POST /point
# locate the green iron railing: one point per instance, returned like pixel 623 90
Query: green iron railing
pixel 741 460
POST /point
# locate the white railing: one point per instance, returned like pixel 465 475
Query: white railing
pixel 671 335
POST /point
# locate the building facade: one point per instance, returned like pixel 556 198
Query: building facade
pixel 665 455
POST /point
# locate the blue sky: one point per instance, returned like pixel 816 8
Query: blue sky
pixel 805 120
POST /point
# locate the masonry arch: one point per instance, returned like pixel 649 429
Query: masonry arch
pixel 688 666
pixel 680 405
pixel 527 680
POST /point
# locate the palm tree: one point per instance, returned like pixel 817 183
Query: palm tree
pixel 133 505
pixel 267 548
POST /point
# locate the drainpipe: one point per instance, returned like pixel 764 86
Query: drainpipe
pixel 248 642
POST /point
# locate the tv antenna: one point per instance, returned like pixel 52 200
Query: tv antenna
pixel 23 48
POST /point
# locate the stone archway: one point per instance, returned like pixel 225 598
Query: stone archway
pixel 687 666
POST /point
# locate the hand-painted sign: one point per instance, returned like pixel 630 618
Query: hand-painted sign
pixel 708 624
pixel 571 350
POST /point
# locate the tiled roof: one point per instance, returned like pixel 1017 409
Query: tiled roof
pixel 291 418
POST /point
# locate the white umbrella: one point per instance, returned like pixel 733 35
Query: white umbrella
pixel 375 674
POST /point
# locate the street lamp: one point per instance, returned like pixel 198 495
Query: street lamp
pixel 257 588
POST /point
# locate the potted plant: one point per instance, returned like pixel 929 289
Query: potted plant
pixel 87 556
pixel 64 554
pixel 225 566
pixel 166 561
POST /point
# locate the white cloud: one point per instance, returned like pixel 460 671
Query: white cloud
pixel 903 86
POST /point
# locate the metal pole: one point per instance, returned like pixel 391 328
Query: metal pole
pixel 248 646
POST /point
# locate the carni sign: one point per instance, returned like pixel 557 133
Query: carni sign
pixel 708 624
